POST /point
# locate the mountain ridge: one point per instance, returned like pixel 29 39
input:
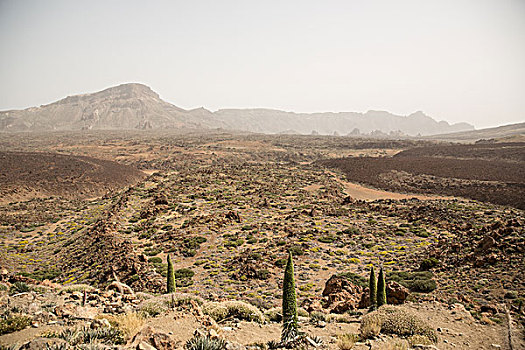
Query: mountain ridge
pixel 137 106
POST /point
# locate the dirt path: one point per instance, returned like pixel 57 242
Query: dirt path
pixel 360 192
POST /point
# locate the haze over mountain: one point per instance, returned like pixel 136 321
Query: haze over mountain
pixel 136 106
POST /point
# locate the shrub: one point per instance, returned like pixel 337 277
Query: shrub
pixel 14 323
pixel 428 264
pixel 86 335
pixel 184 273
pixel 128 324
pixel 395 320
pixel 419 339
pixel 346 341
pixel 262 274
pixel 419 281
pixel 296 250
pixel 233 309
pixel 155 260
pixel 280 262
pixel 355 278
pixel 77 288
pixel 19 287
pixel 205 343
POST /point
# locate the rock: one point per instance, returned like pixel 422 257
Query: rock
pixel 341 294
pixel 424 347
pixel 312 304
pixel 485 244
pixel 396 293
pixel 145 346
pixel 155 339
pixel 120 287
pixel 44 343
pixel 100 323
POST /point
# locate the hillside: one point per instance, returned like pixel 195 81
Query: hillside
pixel 136 106
pixel 505 133
pixel 26 175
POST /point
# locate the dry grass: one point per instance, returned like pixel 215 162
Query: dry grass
pixel 346 341
pixel 129 324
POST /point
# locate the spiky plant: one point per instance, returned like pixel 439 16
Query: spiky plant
pixel 381 289
pixel 205 343
pixel 373 288
pixel 290 326
pixel 171 277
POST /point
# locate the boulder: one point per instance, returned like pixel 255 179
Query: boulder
pixel 312 304
pixel 396 293
pixel 120 287
pixel 341 294
pixel 149 338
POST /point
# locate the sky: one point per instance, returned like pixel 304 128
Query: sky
pixel 455 60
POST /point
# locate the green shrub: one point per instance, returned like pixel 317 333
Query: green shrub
pixel 280 262
pixel 428 264
pixel 262 274
pixel 296 250
pixel 155 260
pixel 355 278
pixel 19 287
pixel 184 273
pixel 419 281
pixel 327 239
pixel 14 323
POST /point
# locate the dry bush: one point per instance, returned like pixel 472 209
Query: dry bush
pixel 339 318
pixel 129 324
pixel 395 320
pixel 346 341
pixel 77 288
pixel 233 309
pixel 370 326
pixel 158 305
pixel 419 339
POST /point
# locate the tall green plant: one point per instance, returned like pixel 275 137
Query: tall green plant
pixel 381 289
pixel 290 326
pixel 171 277
pixel 373 288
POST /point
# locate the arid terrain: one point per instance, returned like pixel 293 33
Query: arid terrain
pixel 89 209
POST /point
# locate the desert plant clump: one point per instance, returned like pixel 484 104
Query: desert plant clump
pixel 347 341
pixel 381 289
pixel 233 309
pixel 204 342
pixel 14 323
pixel 390 319
pixel 290 326
pixel 372 284
pixel 171 277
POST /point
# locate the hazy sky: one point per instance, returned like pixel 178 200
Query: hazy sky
pixel 455 60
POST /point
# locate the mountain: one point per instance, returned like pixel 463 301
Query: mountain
pixel 505 133
pixel 136 106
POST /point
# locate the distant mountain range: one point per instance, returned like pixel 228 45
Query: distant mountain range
pixel 136 106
